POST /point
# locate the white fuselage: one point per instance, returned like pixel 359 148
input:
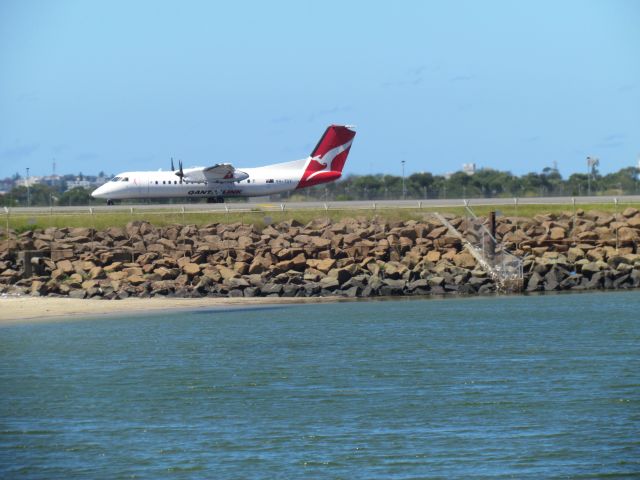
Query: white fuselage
pixel 267 180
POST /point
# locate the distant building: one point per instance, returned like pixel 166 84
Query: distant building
pixel 22 182
pixel 5 186
pixel 469 168
pixel 52 180
pixel 86 181
pixel 77 183
pixel 101 180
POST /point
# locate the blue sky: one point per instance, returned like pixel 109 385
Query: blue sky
pixel 513 86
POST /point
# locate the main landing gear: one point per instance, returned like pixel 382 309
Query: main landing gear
pixel 109 202
pixel 215 199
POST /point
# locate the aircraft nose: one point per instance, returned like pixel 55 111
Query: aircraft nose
pixel 99 192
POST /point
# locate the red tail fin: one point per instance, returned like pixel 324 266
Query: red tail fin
pixel 329 156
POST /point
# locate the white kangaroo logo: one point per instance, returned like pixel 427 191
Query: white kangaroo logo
pixel 326 160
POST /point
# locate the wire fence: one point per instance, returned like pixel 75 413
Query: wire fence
pixel 281 206
pixel 501 262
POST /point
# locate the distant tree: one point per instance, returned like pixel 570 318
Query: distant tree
pixel 41 195
pixel 458 183
pixel 624 180
pixel 577 184
pixel 420 184
pixel 76 196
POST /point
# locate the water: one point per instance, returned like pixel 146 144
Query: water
pixel 511 387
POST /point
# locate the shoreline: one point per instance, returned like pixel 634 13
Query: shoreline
pixel 15 310
pixel 23 309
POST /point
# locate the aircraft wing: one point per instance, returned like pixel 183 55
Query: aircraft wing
pixel 220 172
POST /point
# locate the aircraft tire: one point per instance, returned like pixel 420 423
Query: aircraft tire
pixel 109 202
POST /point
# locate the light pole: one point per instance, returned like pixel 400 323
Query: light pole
pixel 28 190
pixel 404 191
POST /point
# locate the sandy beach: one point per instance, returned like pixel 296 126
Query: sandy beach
pixel 19 309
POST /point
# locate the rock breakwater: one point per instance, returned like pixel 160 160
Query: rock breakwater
pixel 350 258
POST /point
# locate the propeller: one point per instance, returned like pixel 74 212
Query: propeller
pixel 180 173
pixel 172 167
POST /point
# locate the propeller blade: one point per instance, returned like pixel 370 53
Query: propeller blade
pixel 179 173
pixel 172 168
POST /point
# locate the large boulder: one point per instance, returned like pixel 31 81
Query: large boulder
pixel 394 270
pixel 227 273
pixel 329 283
pixel 535 282
pixel 627 235
pixel 136 279
pixel 191 269
pixel 65 266
pixel 341 274
pixel 261 263
pixel 322 265
pixel 164 273
pixel 464 260
pixel 557 233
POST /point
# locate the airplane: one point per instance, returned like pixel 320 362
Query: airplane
pixel 222 180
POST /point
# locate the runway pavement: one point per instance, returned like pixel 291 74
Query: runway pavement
pixel 276 206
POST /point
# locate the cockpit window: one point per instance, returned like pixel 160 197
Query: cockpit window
pixel 125 179
pixel 115 179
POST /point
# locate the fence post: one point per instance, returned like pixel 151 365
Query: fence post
pixel 573 201
pixel 492 231
pixel 515 202
pixel 6 232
